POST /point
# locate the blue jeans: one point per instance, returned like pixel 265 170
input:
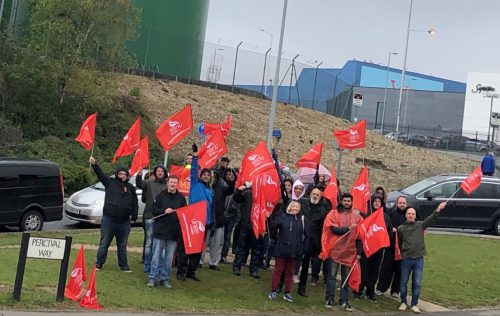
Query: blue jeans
pixel 161 261
pixel 148 244
pixel 415 266
pixel 331 281
pixel 109 230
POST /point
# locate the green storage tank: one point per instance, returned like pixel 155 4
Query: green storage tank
pixel 171 36
pixel 14 15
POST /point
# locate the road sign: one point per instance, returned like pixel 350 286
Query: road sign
pixel 495 119
pixel 277 133
pixel 357 99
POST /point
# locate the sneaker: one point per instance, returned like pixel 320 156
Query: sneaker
pixel 126 270
pixel 180 277
pixel 98 267
pixel 415 309
pixel 371 298
pixel 402 307
pixel 213 267
pixel 288 297
pixel 255 274
pixel 166 284
pixel 151 283
pixel 314 281
pixel 347 307
pixel 395 295
pixel 273 295
pixel 194 278
pixel 377 292
pixel 329 304
pixel 237 272
pixel 296 279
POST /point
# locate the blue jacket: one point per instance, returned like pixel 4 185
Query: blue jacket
pixel 488 164
pixel 200 191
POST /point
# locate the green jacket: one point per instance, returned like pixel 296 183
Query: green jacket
pixel 411 237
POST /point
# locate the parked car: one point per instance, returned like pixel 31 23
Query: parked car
pixel 476 145
pixel 432 141
pixel 479 210
pixel 404 137
pixel 453 142
pixel 417 140
pixel 86 205
pixel 31 193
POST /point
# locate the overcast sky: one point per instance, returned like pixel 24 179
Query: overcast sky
pixel 334 31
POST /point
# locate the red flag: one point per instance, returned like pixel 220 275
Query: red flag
pixel 265 196
pixel 355 278
pixel 74 288
pixel 209 128
pixel 473 181
pixel 175 128
pixel 90 299
pixel 332 190
pixel 352 138
pixel 192 219
pixel 130 142
pixel 312 158
pixel 183 174
pixel 373 233
pixel 213 149
pixel 87 132
pixel 361 191
pixel 255 161
pixel 397 251
pixel 141 157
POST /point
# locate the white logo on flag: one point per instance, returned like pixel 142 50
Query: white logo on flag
pixel 197 227
pixel 175 126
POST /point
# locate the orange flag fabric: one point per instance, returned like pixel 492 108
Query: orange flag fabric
pixel 473 181
pixel 332 190
pixel 213 149
pixel 141 157
pixel 183 174
pixel 255 162
pixel 373 233
pixel 225 127
pixel 361 191
pixel 352 138
pixel 312 158
pixel 175 128
pixel 192 219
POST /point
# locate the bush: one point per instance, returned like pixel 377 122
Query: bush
pixel 135 92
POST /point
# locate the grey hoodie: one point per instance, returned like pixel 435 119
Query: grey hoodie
pixel 151 188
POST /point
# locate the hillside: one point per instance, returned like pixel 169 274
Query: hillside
pixel 396 165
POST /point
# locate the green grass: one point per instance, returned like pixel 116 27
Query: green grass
pixel 460 272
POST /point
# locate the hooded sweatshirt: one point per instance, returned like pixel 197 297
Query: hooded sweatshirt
pixel 120 201
pixel 296 183
pixel 200 191
pixel 151 188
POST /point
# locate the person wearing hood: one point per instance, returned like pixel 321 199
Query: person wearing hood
pixel 298 192
pixel 488 164
pixel 120 207
pixel 199 191
pixel 150 189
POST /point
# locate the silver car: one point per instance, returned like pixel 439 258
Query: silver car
pixel 86 205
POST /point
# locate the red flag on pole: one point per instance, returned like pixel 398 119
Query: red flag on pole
pixel 141 157
pixel 130 142
pixel 209 128
pixel 183 174
pixel 192 219
pixel 473 181
pixel 355 277
pixel 332 190
pixel 87 132
pixel 90 299
pixel 265 196
pixel 361 191
pixel 175 128
pixel 312 158
pixel 373 233
pixel 213 149
pixel 352 138
pixel 74 288
pixel 255 161
pixel 397 251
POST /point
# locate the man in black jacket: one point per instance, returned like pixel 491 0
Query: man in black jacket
pixel 166 231
pixel 120 206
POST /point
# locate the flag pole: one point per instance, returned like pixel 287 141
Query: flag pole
pixel 91 155
pixel 350 230
pixel 166 159
pixel 338 163
pixel 161 215
pixel 349 274
pixel 454 193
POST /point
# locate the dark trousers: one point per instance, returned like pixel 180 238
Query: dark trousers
pixel 390 272
pixel 316 266
pixel 283 267
pixel 369 272
pixel 246 243
pixel 109 230
pixel 236 236
pixel 228 231
pixel 186 264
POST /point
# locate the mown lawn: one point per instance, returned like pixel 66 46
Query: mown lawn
pixel 460 272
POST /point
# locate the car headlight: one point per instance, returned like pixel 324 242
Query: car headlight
pixel 98 202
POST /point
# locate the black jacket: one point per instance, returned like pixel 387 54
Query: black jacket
pixel 167 227
pixel 245 199
pixel 120 201
pixel 222 190
pixel 316 218
pixel 293 232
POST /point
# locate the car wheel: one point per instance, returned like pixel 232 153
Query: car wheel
pixel 496 228
pixel 32 221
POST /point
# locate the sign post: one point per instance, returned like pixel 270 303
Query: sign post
pixel 43 248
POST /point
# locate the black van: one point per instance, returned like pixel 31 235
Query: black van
pixel 479 210
pixel 31 193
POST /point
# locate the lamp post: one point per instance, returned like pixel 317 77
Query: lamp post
pixel 272 115
pixel 314 89
pixel 385 90
pixel 408 29
pixel 408 87
pixel 264 73
pixel 214 70
pixel 235 63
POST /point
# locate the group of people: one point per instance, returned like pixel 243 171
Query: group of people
pixel 298 227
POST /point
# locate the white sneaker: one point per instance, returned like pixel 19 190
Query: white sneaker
pixel 402 307
pixel 395 295
pixel 415 309
pixel 296 279
pixel 377 292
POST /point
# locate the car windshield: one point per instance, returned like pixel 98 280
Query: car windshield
pixel 419 186
pixel 99 186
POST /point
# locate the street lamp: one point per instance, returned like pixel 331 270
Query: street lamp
pixel 408 29
pixel 314 89
pixel 385 90
pixel 408 87
pixel 235 63
pixel 214 70
pixel 272 115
